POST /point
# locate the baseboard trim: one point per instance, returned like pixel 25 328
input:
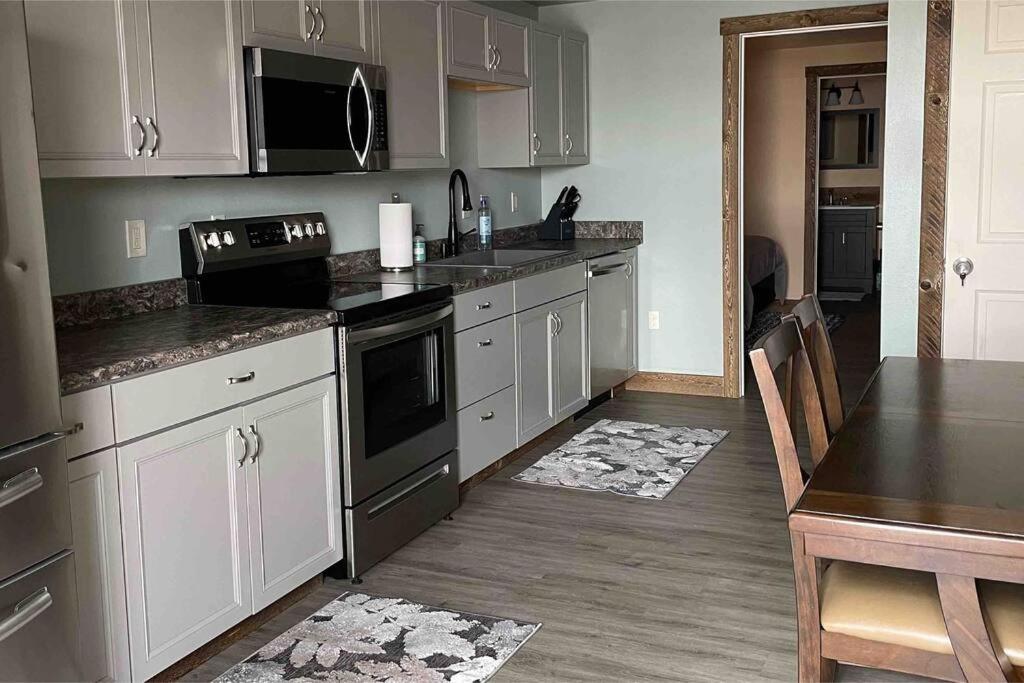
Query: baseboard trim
pixel 674 383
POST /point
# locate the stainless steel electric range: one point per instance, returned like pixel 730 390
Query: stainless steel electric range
pixel 395 360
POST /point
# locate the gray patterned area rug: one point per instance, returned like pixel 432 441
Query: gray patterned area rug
pixel 361 638
pixel 628 458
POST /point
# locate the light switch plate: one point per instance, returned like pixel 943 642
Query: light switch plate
pixel 135 236
pixel 654 320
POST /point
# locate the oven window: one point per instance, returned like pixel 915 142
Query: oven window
pixel 403 390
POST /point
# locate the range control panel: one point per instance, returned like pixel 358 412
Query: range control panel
pixel 225 244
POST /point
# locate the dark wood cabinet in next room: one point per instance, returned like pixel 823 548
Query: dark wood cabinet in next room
pixel 846 249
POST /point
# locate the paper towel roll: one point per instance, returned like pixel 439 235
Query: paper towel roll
pixel 396 236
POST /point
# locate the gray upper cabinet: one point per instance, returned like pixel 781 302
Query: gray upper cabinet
pixel 344 29
pixel 411 47
pixel 575 98
pixel 86 88
pixel 487 45
pixel 546 97
pixel 279 24
pixel 138 88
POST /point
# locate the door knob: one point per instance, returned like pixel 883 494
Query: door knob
pixel 963 267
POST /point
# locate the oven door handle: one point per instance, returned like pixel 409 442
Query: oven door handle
pixel 411 325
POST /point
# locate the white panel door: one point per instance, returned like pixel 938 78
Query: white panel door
pixel 186 539
pixel 86 88
pixel 344 30
pixel 411 48
pixel 293 484
pixel 510 36
pixel 99 568
pixel 535 372
pixel 469 41
pixel 546 97
pixel 575 98
pixel 572 358
pixel 279 24
pixel 984 317
pixel 193 87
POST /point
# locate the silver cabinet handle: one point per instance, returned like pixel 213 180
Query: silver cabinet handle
pixel 24 612
pixel 20 485
pixel 488 416
pixel 309 33
pixel 319 14
pixel 497 62
pixel 554 323
pixel 536 143
pixel 259 443
pixel 490 57
pixel 844 238
pixel 156 136
pixel 142 132
pixel 484 306
pixel 245 446
pixel 244 378
pixel 568 139
pixel 485 342
pixel 558 319
pixel 629 269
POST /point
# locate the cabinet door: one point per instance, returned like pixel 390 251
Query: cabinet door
pixel 278 24
pixel 412 49
pixel 193 87
pixel 510 36
pixel 632 308
pixel 186 539
pixel 829 255
pixel 575 98
pixel 99 568
pixel 293 537
pixel 469 54
pixel 344 30
pixel 86 88
pixel 571 363
pixel 546 97
pixel 857 253
pixel 535 372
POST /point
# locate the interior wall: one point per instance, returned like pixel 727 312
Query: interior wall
pixel 656 156
pixel 85 217
pixel 775 143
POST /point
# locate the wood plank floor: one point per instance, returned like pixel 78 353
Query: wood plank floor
pixel 698 587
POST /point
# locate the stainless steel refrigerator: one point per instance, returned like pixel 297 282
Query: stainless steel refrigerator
pixel 38 600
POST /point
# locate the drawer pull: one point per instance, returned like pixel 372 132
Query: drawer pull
pixel 245 446
pixel 20 485
pixel 487 416
pixel 484 306
pixel 259 443
pixel 244 378
pixel 24 612
pixel 485 342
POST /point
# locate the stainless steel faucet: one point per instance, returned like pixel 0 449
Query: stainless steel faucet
pixel 453 223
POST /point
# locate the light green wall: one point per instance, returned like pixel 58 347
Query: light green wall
pixel 85 218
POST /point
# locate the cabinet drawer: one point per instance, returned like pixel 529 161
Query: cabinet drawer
pixel 487 432
pixel 166 398
pixel 95 412
pixel 483 305
pixel 485 360
pixel 540 289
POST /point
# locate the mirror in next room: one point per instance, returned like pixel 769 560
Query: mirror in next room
pixel 849 138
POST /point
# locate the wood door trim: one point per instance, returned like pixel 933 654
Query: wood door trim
pixel 813 73
pixel 730 214
pixel 832 16
pixel 672 383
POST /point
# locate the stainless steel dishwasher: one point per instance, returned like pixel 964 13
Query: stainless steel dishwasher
pixel 609 292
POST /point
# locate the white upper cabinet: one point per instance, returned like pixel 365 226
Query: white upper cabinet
pixel 575 98
pixel 138 88
pixel 340 29
pixel 344 30
pixel 546 98
pixel 86 88
pixel 193 87
pixel 488 45
pixel 411 48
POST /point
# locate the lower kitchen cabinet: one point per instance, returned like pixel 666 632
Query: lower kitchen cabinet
pixel 186 538
pixel 487 432
pixel 293 484
pixel 551 364
pixel 99 569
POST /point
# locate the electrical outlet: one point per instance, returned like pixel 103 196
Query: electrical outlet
pixel 135 236
pixel 654 320
pixel 513 202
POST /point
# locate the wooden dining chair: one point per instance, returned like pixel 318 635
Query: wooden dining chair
pixel 867 615
pixel 818 344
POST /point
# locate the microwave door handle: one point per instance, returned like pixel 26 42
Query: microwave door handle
pixel 369 121
pixel 359 79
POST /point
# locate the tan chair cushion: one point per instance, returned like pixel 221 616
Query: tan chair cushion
pixel 901 607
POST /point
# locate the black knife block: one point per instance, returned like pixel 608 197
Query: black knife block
pixel 559 224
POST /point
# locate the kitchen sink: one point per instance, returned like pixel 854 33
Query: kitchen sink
pixel 495 258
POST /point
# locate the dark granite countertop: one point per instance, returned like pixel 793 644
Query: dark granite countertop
pixel 465 279
pixel 113 350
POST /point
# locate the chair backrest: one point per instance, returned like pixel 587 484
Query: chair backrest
pixel 818 345
pixel 785 346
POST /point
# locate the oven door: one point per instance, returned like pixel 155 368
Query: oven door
pixel 315 115
pixel 398 399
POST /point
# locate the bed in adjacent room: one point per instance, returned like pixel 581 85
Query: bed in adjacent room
pixel 765 275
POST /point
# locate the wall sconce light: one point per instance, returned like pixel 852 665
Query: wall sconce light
pixel 856 96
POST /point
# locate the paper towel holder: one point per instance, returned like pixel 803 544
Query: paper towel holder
pixel 396 247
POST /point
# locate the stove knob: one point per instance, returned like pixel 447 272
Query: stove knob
pixel 213 240
pixel 228 238
pixel 309 229
pixel 297 231
pixel 320 229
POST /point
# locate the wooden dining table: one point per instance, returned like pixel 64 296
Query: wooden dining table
pixel 927 473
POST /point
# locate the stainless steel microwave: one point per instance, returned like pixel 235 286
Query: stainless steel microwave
pixel 314 115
